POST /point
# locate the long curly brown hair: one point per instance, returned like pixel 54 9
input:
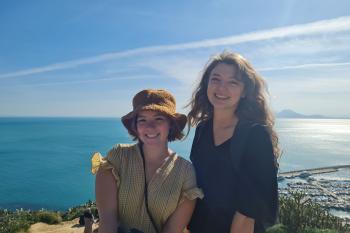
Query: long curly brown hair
pixel 253 107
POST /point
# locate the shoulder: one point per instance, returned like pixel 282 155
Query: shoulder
pixel 259 145
pixel 123 148
pixel 183 162
pixel 201 127
pixel 205 123
pixel 260 133
pixel 183 166
pixel 122 151
pixel 252 130
pixel 185 170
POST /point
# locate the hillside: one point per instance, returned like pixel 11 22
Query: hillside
pixel 287 113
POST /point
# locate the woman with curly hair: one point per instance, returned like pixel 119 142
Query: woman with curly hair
pixel 235 149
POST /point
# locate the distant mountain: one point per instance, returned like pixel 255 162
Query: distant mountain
pixel 287 113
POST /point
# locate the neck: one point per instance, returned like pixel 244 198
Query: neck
pixel 224 118
pixel 155 152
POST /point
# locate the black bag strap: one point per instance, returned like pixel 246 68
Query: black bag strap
pixel 146 190
pixel 239 142
pixel 237 149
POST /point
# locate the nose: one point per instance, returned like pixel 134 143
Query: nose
pixel 150 124
pixel 222 85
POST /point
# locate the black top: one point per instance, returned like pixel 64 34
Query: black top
pixel 249 188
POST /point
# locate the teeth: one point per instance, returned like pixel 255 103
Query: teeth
pixel 221 96
pixel 151 135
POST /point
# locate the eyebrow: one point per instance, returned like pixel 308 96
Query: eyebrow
pixel 231 77
pixel 215 74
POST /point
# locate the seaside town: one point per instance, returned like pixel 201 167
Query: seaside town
pixel 332 194
pixel 317 186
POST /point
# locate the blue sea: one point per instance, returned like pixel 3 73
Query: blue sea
pixel 45 162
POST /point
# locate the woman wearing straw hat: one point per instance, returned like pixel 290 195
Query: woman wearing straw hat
pixel 146 187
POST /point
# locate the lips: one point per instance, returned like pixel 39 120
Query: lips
pixel 221 97
pixel 151 136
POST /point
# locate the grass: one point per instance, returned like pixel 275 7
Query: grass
pixel 21 220
pixel 297 214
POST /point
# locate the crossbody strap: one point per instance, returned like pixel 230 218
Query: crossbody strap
pixel 239 141
pixel 146 190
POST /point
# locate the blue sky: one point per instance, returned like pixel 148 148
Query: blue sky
pixel 89 58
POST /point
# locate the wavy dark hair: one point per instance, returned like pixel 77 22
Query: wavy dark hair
pixel 253 107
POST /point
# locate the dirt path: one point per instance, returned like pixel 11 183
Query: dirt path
pixel 64 227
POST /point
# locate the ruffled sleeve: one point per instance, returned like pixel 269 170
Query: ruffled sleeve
pixel 190 190
pixel 257 186
pixel 111 162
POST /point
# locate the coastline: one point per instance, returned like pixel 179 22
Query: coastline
pixel 326 196
pixel 313 171
pixel 331 194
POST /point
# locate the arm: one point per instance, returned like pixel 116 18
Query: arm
pixel 106 201
pixel 178 221
pixel 242 224
pixel 257 185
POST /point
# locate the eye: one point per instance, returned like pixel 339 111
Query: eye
pixel 214 80
pixel 140 120
pixel 233 83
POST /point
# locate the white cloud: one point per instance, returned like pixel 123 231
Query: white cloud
pixel 306 66
pixel 309 45
pixel 185 70
pixel 324 48
pixel 310 86
pixel 324 26
pixel 130 77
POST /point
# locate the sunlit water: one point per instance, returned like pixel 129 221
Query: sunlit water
pixel 45 162
pixel 310 143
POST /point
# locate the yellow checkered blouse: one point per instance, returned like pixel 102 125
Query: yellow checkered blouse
pixel 173 181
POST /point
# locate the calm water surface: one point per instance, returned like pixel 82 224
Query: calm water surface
pixel 46 161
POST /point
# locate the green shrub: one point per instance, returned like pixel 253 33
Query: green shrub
pixel 76 211
pixel 313 230
pixel 48 217
pixel 17 221
pixel 21 220
pixel 72 213
pixel 299 214
pixel 13 226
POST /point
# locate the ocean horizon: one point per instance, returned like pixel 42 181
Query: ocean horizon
pixel 46 160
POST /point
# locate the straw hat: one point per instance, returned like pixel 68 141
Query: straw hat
pixel 156 100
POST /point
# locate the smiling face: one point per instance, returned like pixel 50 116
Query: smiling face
pixel 152 128
pixel 224 87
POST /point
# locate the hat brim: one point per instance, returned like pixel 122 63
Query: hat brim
pixel 180 119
